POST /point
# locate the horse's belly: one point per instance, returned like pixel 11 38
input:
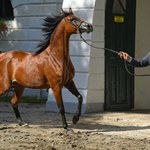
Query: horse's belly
pixel 32 81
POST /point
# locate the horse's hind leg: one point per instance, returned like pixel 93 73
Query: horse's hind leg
pixel 72 88
pixel 4 85
pixel 18 91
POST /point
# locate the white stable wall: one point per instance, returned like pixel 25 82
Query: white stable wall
pixel 25 30
pixel 142 47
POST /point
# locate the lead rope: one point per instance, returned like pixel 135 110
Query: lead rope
pixel 107 49
pixel 113 51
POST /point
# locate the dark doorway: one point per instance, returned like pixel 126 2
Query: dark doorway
pixel 119 35
pixel 6 10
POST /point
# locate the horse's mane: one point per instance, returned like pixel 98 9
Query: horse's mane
pixel 49 26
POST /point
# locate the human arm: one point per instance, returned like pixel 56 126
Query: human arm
pixel 145 61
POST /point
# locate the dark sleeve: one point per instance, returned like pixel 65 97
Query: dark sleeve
pixel 145 61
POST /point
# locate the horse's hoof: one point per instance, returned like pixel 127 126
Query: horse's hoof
pixel 65 126
pixel 22 123
pixel 75 119
pixel 25 125
pixel 69 131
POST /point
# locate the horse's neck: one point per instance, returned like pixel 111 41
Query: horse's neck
pixel 60 44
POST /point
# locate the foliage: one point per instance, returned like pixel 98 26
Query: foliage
pixel 3 26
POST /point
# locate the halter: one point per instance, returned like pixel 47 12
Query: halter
pixel 75 24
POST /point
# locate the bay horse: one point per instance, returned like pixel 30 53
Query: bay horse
pixel 49 67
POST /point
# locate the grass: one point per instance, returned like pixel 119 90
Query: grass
pixel 25 99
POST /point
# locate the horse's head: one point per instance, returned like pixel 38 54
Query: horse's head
pixel 76 25
pixel 66 21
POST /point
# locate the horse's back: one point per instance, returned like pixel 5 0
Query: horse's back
pixel 13 54
pixel 10 60
pixel 23 68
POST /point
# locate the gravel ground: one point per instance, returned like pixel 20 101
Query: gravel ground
pixel 100 131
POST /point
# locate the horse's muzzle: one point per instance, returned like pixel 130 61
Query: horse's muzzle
pixel 85 27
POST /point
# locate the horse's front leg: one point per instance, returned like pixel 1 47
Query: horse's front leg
pixel 72 88
pixel 58 96
pixel 18 91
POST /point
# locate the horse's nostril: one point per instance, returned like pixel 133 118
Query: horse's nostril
pixel 90 27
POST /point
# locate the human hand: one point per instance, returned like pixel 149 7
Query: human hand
pixel 124 55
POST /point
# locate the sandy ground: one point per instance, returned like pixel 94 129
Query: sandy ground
pixel 101 131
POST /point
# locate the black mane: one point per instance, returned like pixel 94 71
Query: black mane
pixel 49 26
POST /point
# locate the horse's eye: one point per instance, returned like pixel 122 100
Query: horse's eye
pixel 74 21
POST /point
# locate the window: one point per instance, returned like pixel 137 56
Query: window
pixel 119 7
pixel 6 10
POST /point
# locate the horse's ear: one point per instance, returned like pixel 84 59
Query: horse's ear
pixel 66 13
pixel 70 11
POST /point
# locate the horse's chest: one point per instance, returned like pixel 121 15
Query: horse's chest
pixel 68 73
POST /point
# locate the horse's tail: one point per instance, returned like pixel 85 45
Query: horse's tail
pixel 7 93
